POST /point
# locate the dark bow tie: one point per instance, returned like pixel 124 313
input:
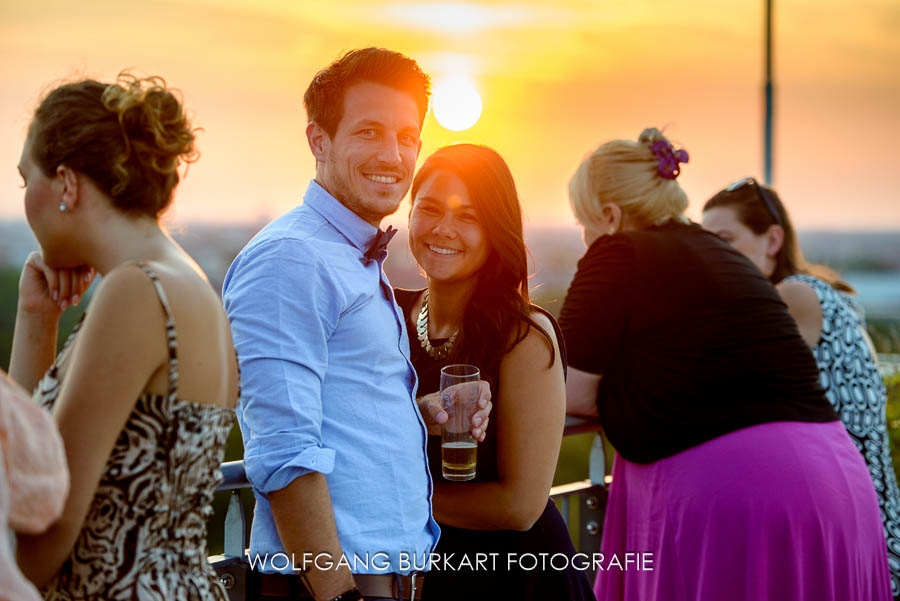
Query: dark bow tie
pixel 379 244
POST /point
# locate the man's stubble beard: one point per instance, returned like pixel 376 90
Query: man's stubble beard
pixel 342 192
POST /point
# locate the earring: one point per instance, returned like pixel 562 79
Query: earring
pixel 62 207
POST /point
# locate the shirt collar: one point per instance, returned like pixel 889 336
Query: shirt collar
pixel 354 228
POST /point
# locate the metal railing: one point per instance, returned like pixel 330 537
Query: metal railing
pixel 582 504
pixel 888 364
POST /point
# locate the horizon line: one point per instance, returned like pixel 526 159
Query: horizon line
pixel 176 225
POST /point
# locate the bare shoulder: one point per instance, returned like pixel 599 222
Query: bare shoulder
pixel 124 277
pixel 206 357
pixel 533 350
pixel 798 295
pixel 126 292
pixel 804 306
pixel 121 326
pixel 541 319
pixel 192 299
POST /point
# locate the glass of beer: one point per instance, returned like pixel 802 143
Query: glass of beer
pixel 459 397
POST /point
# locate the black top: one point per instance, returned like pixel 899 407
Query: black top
pixel 692 341
pixel 548 535
pixel 428 371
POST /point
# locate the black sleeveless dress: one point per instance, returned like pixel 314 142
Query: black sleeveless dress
pixel 493 578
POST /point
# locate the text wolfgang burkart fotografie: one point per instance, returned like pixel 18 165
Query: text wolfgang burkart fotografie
pixel 454 562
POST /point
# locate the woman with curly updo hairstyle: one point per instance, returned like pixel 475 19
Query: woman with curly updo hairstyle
pixel 144 388
pixel 129 138
pixel 733 474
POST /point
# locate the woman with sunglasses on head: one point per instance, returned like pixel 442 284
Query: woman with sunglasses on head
pixel 465 232
pixel 732 470
pixel 144 389
pixel 752 218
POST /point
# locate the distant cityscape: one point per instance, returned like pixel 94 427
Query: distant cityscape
pixel 868 260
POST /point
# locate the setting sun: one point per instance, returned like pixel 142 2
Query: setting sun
pixel 556 79
pixel 457 104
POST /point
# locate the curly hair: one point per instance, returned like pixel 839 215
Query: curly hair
pixel 128 137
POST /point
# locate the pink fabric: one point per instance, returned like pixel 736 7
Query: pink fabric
pixel 776 512
pixel 34 480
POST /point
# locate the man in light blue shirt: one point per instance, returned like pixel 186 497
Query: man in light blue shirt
pixel 334 442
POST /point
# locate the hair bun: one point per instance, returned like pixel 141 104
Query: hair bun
pixel 129 137
pixel 651 135
pixel 638 176
pixel 156 132
pixel 668 159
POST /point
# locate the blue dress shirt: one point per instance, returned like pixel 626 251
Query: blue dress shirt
pixel 327 385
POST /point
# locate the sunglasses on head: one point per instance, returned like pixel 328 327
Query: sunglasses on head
pixel 761 193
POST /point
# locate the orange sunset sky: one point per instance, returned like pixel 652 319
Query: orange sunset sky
pixel 556 79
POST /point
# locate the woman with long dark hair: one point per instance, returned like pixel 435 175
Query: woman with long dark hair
pixel 465 232
pixel 732 470
pixel 143 390
pixel 752 218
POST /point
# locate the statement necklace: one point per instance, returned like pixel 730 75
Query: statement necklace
pixel 443 350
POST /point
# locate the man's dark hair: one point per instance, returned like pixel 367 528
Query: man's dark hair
pixel 324 98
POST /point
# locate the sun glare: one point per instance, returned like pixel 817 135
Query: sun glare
pixel 455 17
pixel 456 103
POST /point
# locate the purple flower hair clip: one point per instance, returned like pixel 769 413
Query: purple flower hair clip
pixel 669 159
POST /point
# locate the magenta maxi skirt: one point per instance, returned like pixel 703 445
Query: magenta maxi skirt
pixel 779 511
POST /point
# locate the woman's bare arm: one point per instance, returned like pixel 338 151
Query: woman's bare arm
pixel 530 415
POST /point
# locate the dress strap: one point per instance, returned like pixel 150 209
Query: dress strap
pixel 171 341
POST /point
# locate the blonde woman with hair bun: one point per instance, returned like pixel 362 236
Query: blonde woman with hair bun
pixel 624 174
pixel 733 474
pixel 143 390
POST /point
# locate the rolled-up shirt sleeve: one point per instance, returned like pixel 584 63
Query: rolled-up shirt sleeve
pixel 283 305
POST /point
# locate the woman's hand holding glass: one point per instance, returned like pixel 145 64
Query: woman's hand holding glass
pixel 44 290
pixel 434 414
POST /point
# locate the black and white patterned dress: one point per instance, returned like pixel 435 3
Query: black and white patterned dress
pixel 144 536
pixel 853 385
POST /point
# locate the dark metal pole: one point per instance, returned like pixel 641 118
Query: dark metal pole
pixel 767 158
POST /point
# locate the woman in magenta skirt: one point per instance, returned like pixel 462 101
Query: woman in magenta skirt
pixel 733 473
